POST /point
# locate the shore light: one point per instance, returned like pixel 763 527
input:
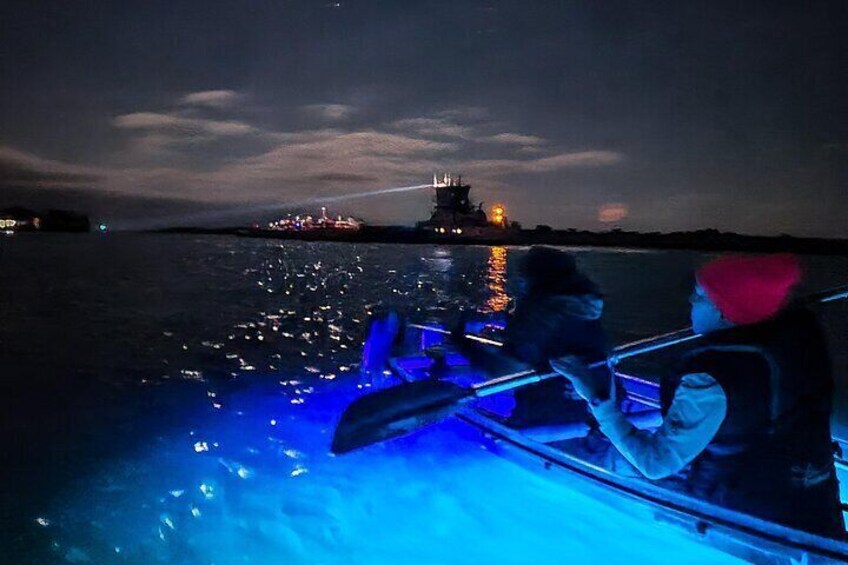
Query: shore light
pixel 498 214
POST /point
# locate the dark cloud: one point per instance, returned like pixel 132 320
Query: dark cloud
pixel 14 174
pixel 345 177
pixel 103 206
pixel 688 115
pixel 18 169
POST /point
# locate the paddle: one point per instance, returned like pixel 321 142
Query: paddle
pixel 402 409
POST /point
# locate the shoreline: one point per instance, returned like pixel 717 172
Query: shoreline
pixel 702 240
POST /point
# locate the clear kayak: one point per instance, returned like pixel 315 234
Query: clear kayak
pixel 551 452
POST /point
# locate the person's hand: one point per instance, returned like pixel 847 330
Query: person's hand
pixel 591 386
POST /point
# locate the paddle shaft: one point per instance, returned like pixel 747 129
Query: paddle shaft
pixel 632 349
pixel 399 410
pixel 443 331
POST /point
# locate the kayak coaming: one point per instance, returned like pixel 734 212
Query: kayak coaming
pixel 736 533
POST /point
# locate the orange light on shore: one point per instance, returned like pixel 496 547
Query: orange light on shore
pixel 498 214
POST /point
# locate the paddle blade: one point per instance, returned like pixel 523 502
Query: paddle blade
pixel 396 411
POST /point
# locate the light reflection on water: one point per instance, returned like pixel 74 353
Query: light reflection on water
pixel 266 339
pixel 496 280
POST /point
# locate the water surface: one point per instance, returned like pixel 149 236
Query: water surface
pixel 171 398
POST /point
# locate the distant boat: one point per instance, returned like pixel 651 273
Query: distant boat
pixel 453 214
pixel 306 223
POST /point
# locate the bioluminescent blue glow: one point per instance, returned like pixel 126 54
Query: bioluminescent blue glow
pixel 253 482
pixel 214 216
pixel 220 453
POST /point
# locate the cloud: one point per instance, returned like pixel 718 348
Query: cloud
pixel 145 120
pixel 530 150
pixel 163 158
pixel 336 158
pixel 345 177
pixel 569 160
pixel 499 167
pixel 433 127
pixel 330 112
pixel 464 113
pixel 19 168
pixel 190 127
pixel 211 98
pixel 514 139
pixel 327 158
pixel 299 165
pixel 163 135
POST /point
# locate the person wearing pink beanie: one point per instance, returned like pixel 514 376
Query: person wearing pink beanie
pixel 748 290
pixel 746 415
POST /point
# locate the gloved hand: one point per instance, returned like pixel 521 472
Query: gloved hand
pixel 592 386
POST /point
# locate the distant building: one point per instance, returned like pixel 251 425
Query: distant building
pixel 19 219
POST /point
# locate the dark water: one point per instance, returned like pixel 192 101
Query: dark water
pixel 113 347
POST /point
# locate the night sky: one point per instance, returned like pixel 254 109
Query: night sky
pixel 652 116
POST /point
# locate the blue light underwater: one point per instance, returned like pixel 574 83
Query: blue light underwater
pixel 254 481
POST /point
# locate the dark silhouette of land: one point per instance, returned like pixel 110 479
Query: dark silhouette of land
pixel 700 240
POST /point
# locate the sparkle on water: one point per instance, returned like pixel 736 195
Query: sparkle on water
pixel 250 479
pixel 260 492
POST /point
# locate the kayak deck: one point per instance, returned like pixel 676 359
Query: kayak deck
pixel 736 533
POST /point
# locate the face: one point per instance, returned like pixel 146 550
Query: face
pixel 705 316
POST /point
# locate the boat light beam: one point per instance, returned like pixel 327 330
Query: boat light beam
pixel 218 215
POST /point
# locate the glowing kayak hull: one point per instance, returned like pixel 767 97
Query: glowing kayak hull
pixel 738 534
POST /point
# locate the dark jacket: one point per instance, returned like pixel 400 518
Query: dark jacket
pixel 773 455
pixel 546 326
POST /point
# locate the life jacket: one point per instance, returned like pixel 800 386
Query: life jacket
pixel 773 454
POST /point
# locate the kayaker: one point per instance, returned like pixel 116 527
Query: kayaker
pixel 746 417
pixel 557 311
